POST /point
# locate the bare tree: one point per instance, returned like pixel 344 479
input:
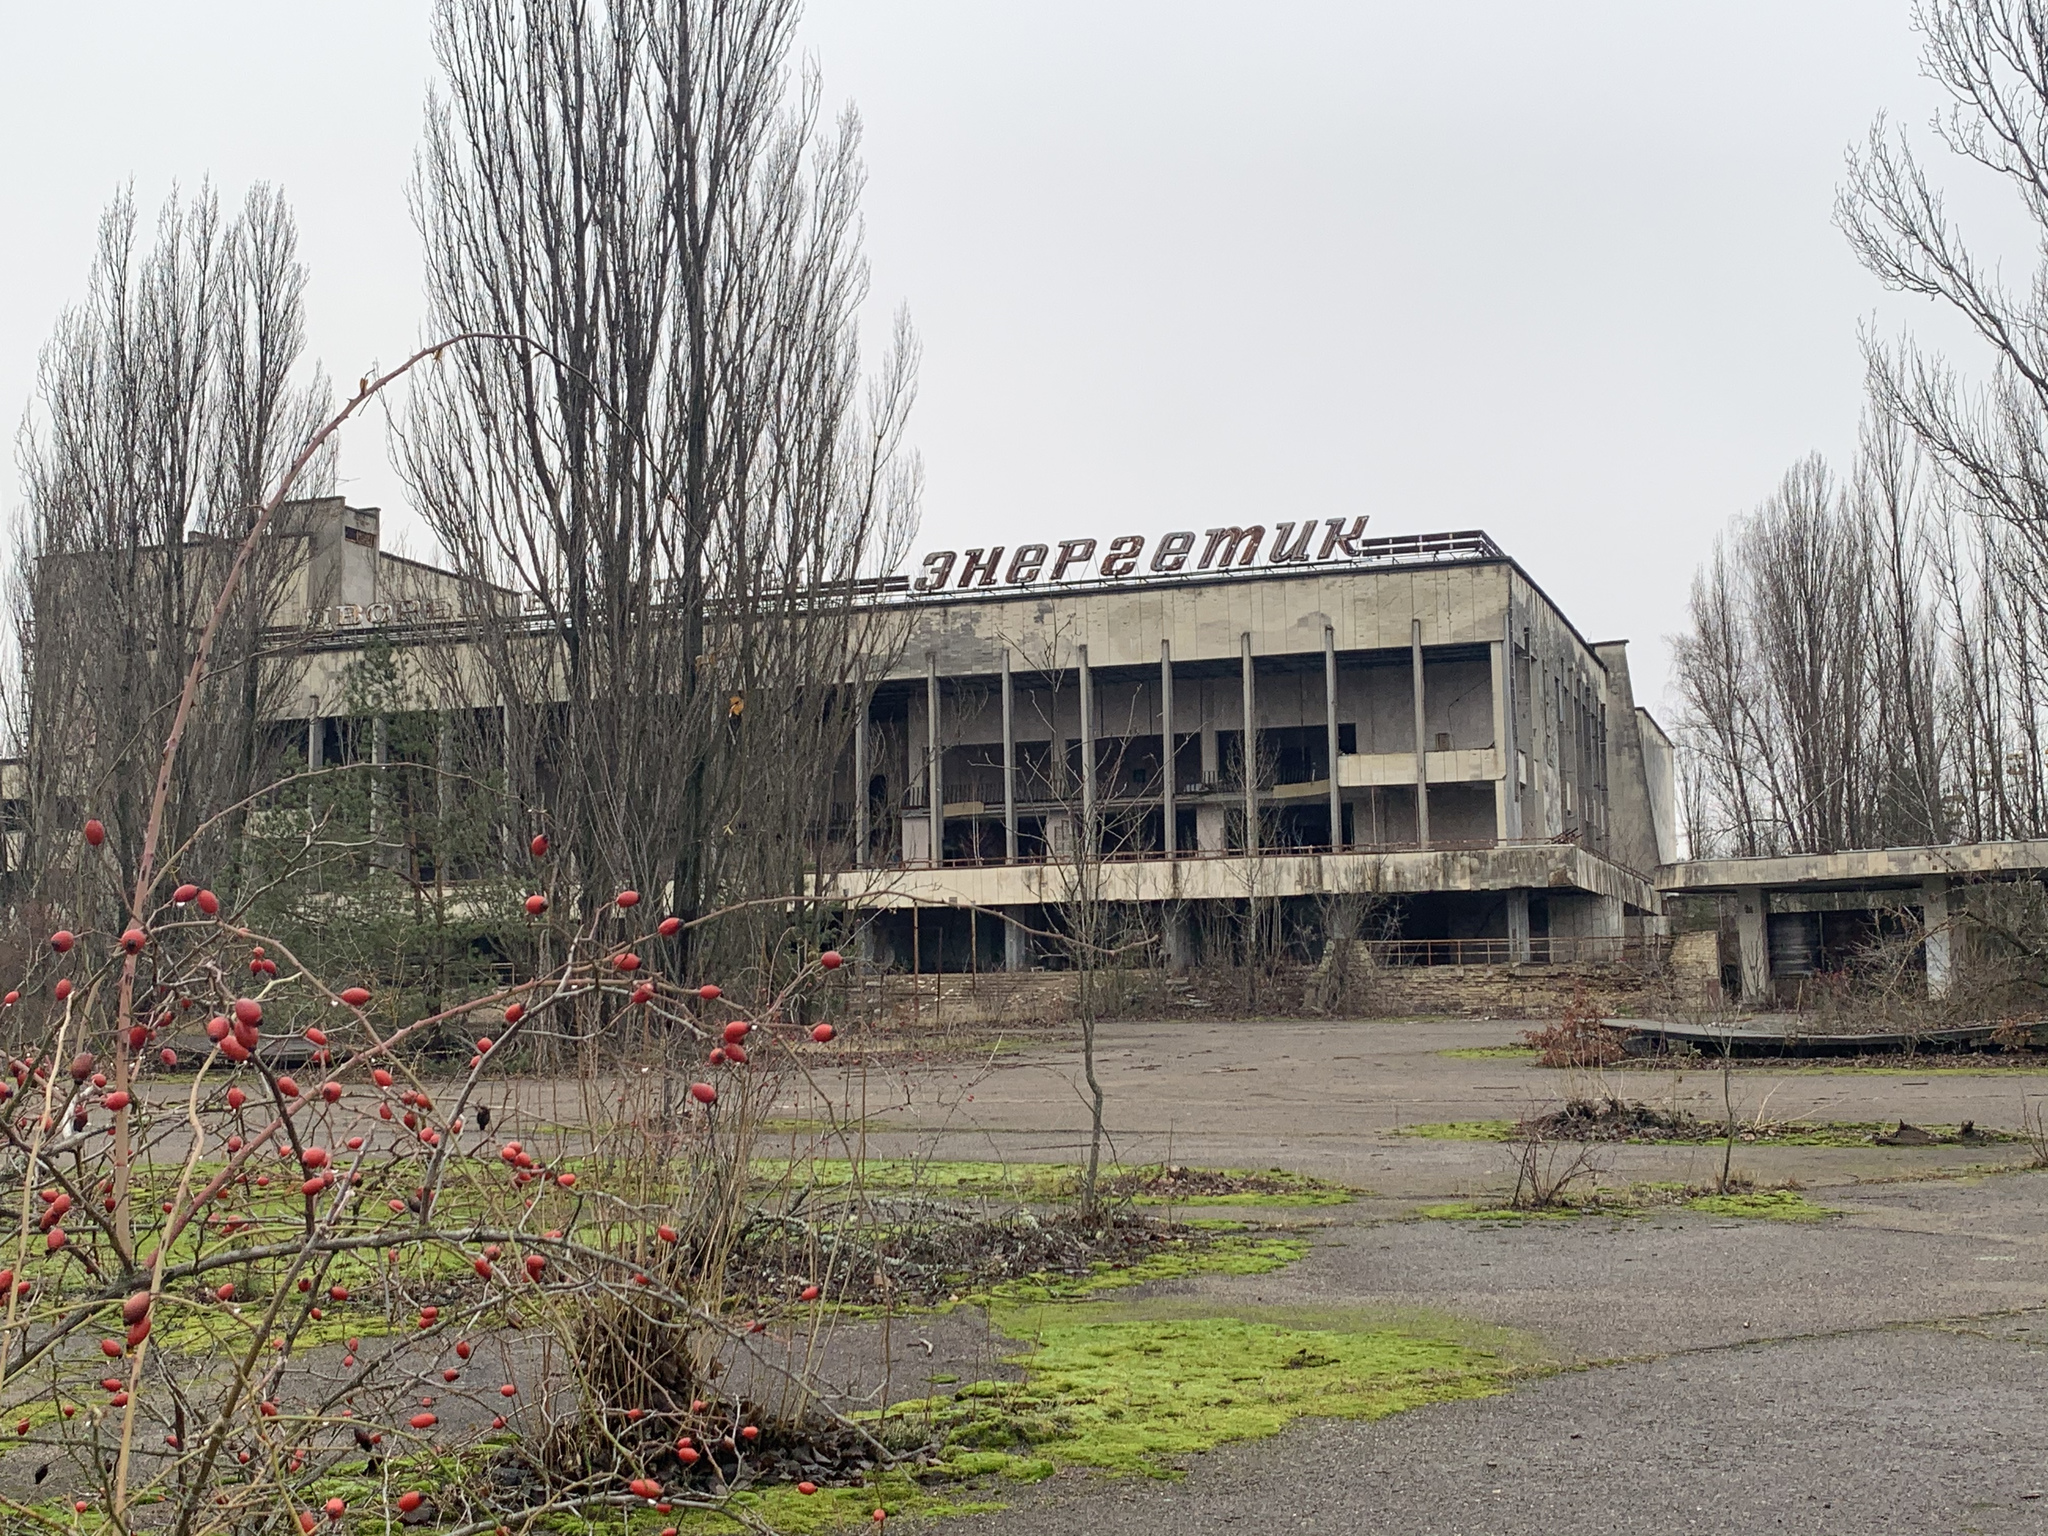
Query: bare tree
pixel 166 406
pixel 665 501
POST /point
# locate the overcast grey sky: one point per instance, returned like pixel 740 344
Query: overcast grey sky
pixel 1565 272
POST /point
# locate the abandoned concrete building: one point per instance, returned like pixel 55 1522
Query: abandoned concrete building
pixel 1413 719
pixel 1179 728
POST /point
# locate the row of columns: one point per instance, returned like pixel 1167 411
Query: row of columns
pixel 1169 806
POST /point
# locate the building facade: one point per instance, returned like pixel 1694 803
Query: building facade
pixel 1410 717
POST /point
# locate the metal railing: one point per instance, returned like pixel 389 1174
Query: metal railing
pixel 1650 950
pixel 1158 855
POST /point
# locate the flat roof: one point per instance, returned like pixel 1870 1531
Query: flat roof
pixel 1855 867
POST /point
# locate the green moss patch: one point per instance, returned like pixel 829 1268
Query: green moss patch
pixel 1492 1053
pixel 1479 1210
pixel 1135 1395
pixel 1461 1130
pixel 1762 1205
pixel 1231 1254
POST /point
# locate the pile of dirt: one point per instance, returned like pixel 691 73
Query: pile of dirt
pixel 1612 1119
pixel 932 1253
pixel 1191 1186
pixel 941 1259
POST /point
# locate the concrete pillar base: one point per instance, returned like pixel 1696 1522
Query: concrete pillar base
pixel 1939 942
pixel 1518 927
pixel 1753 941
pixel 1016 948
pixel 1177 940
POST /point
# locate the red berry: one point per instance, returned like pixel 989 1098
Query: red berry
pixel 248 1011
pixel 62 940
pixel 184 894
pixel 709 993
pixel 95 832
pixel 539 845
pixel 535 905
pixel 670 927
pixel 823 1033
pixel 209 903
pixel 355 997
pixel 736 1031
pixel 703 1093
pixel 514 1014
pixel 831 960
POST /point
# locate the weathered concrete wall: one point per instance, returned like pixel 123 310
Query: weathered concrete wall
pixel 1462 603
pixel 1555 866
pixel 1632 838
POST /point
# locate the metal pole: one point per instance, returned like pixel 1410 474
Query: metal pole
pixel 1421 741
pixel 1166 803
pixel 1330 720
pixel 1009 764
pixel 1249 755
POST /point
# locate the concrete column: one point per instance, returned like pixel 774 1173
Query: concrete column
pixel 1177 938
pixel 860 786
pixel 1167 807
pixel 1250 751
pixel 1753 942
pixel 1503 752
pixel 1016 948
pixel 935 791
pixel 1330 726
pixel 1518 927
pixel 1009 768
pixel 1421 738
pixel 1607 919
pixel 1087 843
pixel 1939 944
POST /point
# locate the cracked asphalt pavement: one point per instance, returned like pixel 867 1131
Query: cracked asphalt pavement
pixel 1883 1370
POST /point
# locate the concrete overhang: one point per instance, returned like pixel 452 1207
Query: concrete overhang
pixel 1858 867
pixel 1521 866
